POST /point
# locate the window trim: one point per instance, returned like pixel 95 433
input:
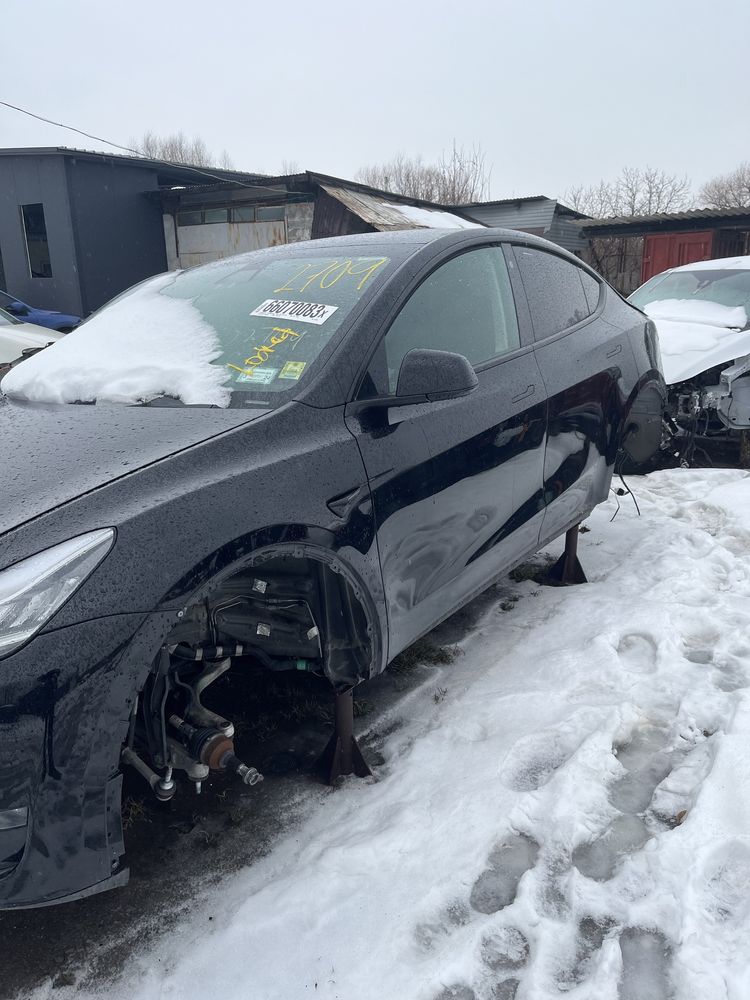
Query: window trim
pixel 435 266
pixel 581 323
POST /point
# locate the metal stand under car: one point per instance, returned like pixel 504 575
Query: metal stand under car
pixel 342 754
pixel 568 571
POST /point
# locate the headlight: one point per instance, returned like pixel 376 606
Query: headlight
pixel 32 590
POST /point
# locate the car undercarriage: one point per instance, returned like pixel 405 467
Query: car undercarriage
pixel 286 613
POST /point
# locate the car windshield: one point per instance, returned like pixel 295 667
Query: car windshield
pixel 727 289
pixel 236 332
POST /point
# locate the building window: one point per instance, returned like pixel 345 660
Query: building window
pixel 243 213
pixel 273 213
pixel 215 215
pixel 37 248
pixel 190 218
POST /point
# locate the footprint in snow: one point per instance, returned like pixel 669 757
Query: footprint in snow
pixel 457 991
pixel 533 760
pixel 645 965
pixel 505 952
pixel 725 888
pixel 589 939
pixel 659 785
pixel 428 933
pixel 637 653
pixel 496 887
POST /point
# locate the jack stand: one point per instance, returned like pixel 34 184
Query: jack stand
pixel 342 754
pixel 568 571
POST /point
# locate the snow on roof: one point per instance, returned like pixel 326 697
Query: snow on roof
pixel 390 215
pixel 431 218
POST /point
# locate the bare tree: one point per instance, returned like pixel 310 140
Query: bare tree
pixel 730 190
pixel 179 148
pixel 289 167
pixel 458 178
pixel 637 191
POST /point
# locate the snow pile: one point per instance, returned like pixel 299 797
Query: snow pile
pixel 565 809
pixel 143 345
pixel 431 218
pixel 721 264
pixel 698 311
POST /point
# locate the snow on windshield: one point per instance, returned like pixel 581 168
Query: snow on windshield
pixel 698 311
pixel 145 346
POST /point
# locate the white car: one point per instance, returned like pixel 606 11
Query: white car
pixel 702 314
pixel 18 340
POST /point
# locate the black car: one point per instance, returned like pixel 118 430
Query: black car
pixel 304 458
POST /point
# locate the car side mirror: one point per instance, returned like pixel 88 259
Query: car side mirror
pixel 435 375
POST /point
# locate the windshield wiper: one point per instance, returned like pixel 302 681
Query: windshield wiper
pixel 166 400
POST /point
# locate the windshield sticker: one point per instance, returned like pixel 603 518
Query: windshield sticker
pixel 280 334
pixel 293 369
pixel 302 312
pixel 332 272
pixel 260 375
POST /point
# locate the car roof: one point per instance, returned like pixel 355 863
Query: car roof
pixel 721 264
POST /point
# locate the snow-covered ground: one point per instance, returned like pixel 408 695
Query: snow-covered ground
pixel 564 808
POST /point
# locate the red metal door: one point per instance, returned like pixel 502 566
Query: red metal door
pixel 673 249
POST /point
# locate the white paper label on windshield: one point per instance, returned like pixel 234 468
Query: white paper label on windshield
pixel 302 312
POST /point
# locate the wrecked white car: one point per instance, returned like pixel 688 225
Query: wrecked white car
pixel 702 313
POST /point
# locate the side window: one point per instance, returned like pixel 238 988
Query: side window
pixel 554 291
pixel 465 306
pixel 591 289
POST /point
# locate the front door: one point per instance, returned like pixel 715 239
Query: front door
pixel 456 484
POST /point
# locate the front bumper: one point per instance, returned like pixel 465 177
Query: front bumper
pixel 64 708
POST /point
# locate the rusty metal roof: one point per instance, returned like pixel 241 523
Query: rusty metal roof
pixel 386 215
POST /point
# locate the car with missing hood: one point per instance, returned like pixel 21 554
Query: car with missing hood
pixel 301 458
pixel 702 313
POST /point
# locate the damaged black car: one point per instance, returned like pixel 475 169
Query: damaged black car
pixel 302 458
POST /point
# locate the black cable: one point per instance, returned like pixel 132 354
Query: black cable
pixel 628 490
pixel 137 153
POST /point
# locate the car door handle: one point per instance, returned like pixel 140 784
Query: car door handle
pixel 528 391
pixel 615 350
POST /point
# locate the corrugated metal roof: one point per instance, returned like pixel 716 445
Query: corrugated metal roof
pixel 705 214
pixel 387 216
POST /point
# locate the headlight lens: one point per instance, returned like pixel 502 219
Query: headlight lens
pixel 32 590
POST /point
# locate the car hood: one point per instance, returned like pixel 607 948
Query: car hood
pixel 53 453
pixel 20 337
pixel 688 349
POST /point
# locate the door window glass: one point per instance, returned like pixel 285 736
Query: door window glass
pixel 465 306
pixel 553 289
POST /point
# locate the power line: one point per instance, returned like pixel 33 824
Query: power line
pixel 135 152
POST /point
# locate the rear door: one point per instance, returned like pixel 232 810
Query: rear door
pixel 456 484
pixel 580 357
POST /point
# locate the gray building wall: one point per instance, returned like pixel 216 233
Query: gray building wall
pixel 119 233
pixel 28 180
pixel 532 215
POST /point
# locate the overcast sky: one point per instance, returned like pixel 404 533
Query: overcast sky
pixel 556 93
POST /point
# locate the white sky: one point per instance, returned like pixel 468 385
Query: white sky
pixel 556 93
